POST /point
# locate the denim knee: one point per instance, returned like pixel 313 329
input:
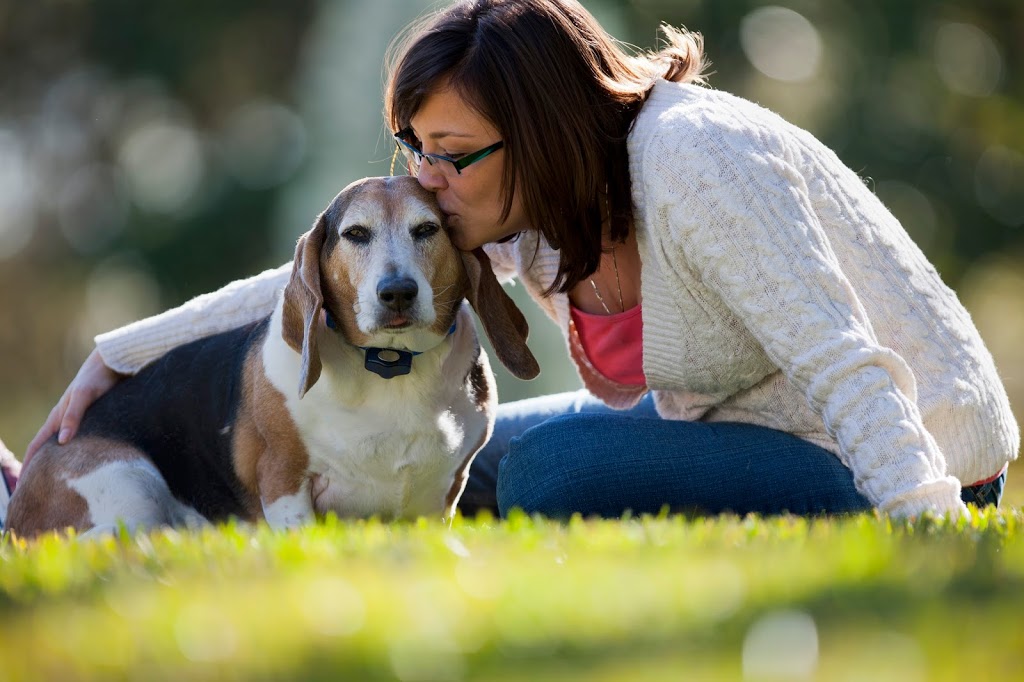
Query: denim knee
pixel 533 475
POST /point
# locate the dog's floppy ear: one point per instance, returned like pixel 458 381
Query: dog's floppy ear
pixel 502 320
pixel 303 301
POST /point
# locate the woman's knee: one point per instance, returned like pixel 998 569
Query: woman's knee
pixel 535 474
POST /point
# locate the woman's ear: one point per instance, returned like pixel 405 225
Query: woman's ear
pixel 503 322
pixel 303 301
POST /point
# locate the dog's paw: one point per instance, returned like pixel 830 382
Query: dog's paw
pixel 289 511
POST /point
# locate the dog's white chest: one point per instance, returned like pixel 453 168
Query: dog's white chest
pixel 399 475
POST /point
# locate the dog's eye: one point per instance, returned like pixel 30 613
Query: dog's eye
pixel 357 234
pixel 424 230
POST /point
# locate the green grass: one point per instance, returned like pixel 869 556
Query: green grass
pixel 858 598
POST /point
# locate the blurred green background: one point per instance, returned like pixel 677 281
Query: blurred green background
pixel 152 151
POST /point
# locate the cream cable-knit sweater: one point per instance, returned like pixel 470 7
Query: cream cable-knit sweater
pixel 777 290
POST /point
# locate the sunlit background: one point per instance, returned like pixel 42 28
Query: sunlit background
pixel 152 151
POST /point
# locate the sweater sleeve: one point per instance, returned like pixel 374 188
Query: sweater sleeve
pixel 740 214
pixel 130 348
pixel 503 261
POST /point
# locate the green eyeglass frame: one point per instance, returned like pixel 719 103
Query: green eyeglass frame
pixel 402 137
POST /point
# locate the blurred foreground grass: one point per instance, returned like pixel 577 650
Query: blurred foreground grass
pixel 641 599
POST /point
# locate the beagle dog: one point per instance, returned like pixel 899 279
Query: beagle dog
pixel 364 393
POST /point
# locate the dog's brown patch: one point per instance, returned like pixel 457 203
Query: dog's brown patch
pixel 269 457
pixel 339 290
pixel 44 501
pixel 449 282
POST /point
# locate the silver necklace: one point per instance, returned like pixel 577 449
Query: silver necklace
pixel 618 287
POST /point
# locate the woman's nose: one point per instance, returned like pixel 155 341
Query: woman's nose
pixel 431 177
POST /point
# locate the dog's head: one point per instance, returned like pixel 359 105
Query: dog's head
pixel 381 264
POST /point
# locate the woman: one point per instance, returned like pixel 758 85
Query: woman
pixel 769 336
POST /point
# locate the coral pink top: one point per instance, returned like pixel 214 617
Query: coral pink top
pixel 613 344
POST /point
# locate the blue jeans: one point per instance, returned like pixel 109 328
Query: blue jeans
pixel 570 453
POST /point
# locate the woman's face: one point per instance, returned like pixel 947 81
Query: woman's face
pixel 445 124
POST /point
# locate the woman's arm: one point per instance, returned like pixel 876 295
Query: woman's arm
pixel 740 215
pixel 130 348
pixel 126 350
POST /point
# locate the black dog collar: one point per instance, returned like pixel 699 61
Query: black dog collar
pixel 385 362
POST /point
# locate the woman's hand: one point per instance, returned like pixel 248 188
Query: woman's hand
pixel 93 380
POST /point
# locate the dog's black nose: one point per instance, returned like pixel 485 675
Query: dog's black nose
pixel 397 293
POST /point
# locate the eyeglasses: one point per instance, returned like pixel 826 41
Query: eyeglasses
pixel 407 142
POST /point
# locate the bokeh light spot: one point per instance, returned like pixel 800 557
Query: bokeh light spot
pixel 333 607
pixel 92 208
pixel 17 216
pixel 781 645
pixel 205 634
pixel 781 43
pixel 263 144
pixel 968 59
pixel 163 162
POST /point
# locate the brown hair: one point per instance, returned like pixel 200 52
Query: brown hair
pixel 562 93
